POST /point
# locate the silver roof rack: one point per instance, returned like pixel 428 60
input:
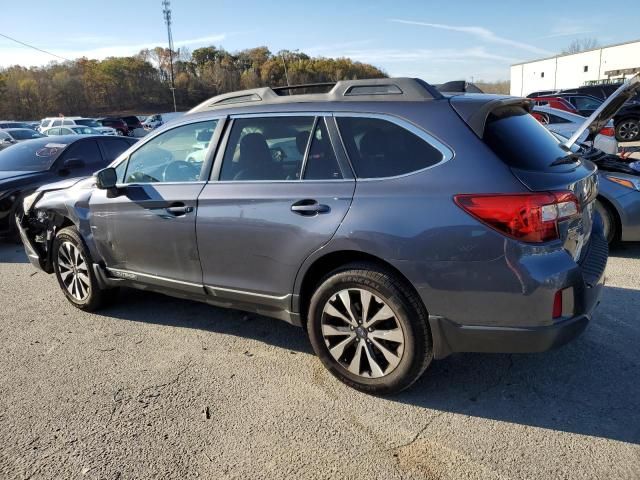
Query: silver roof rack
pixel 377 89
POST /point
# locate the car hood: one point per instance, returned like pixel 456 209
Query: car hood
pixel 605 112
pixel 61 185
pixel 15 175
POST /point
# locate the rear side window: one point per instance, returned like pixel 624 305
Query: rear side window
pixel 322 163
pixel 379 148
pixel 520 141
pixel 86 150
pixel 266 148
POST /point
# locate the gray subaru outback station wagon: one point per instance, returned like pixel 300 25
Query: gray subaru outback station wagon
pixel 395 224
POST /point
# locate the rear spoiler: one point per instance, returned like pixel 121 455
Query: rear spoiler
pixel 475 109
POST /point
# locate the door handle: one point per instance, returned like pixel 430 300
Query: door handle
pixel 178 210
pixel 309 207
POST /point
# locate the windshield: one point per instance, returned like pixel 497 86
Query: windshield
pixel 88 122
pixel 32 156
pixel 587 103
pixel 25 134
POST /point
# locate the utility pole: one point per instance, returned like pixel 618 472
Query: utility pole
pixel 166 11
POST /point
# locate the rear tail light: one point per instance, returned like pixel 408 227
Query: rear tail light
pixel 608 131
pixel 529 217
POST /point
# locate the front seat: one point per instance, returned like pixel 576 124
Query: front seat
pixel 255 161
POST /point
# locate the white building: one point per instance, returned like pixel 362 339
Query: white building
pixel 574 70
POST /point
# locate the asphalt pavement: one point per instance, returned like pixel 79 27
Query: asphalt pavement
pixel 156 387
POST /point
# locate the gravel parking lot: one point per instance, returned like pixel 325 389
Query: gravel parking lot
pixel 156 387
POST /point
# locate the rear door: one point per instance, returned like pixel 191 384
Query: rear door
pixel 277 194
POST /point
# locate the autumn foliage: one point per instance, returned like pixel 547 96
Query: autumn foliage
pixel 140 84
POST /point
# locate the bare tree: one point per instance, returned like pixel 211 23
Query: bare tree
pixel 581 45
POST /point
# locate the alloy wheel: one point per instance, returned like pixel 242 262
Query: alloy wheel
pixel 73 271
pixel 629 130
pixel 362 333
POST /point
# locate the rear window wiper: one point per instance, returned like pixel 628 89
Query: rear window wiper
pixel 571 158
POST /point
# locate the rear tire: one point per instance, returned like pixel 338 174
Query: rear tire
pixel 609 222
pixel 370 329
pixel 73 267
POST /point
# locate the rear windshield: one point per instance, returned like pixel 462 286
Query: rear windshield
pixel 31 156
pixel 521 141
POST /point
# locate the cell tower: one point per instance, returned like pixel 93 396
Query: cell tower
pixel 166 11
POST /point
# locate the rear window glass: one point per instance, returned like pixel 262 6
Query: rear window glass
pixel 520 141
pixel 378 148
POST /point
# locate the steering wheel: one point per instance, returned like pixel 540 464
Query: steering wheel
pixel 180 171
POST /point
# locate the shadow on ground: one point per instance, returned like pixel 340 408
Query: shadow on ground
pixel 626 250
pixel 589 386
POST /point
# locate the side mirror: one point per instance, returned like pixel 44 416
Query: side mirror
pixel 71 163
pixel 7 141
pixel 106 178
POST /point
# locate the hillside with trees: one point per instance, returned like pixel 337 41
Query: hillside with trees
pixel 141 83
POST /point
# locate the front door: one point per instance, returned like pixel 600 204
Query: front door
pixel 146 230
pixel 281 195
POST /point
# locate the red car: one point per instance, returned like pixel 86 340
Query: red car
pixel 555 102
pixel 119 124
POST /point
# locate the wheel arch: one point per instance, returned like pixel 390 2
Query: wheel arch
pixel 609 205
pixel 321 266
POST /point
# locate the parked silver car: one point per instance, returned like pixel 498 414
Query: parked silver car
pixel 567 123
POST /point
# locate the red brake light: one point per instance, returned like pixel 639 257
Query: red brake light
pixel 608 131
pixel 529 217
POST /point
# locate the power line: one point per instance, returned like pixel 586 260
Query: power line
pixel 35 48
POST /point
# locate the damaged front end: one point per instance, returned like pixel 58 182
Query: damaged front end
pixel 37 230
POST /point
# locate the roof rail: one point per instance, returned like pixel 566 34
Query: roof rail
pixel 303 86
pixel 376 89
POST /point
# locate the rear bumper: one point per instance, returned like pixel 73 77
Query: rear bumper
pixel 450 337
pixel 459 338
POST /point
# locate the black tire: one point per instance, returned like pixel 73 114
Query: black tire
pixel 609 221
pixel 93 297
pixel 628 130
pixel 409 314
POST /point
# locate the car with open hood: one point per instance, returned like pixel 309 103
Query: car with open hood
pixel 618 200
pixel 28 165
pixel 565 124
pixel 395 223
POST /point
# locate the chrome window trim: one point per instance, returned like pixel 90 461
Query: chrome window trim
pixel 445 150
pixel 216 171
pixel 124 156
pixel 125 185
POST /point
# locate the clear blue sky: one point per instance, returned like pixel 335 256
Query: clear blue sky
pixel 437 41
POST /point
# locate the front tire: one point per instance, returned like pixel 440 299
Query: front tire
pixel 73 268
pixel 370 329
